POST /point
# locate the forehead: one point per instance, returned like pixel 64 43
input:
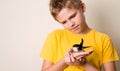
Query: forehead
pixel 65 13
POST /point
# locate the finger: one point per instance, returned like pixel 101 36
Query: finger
pixel 70 50
pixel 76 54
pixel 72 58
pixel 67 58
pixel 79 54
pixel 90 51
pixel 82 59
pixel 79 57
pixel 77 62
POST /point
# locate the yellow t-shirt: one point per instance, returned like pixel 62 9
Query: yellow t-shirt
pixel 59 41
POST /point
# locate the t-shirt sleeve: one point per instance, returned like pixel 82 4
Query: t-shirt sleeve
pixel 109 51
pixel 47 51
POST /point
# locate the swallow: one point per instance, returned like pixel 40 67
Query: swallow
pixel 79 47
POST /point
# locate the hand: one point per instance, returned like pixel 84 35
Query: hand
pixel 82 54
pixel 69 59
pixel 76 58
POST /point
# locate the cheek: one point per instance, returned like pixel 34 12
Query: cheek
pixel 77 19
pixel 65 26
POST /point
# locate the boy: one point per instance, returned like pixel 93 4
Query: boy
pixel 57 57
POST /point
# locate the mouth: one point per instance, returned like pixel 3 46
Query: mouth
pixel 75 28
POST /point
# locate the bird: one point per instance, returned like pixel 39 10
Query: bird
pixel 79 47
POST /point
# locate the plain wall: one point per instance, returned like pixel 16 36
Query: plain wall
pixel 24 25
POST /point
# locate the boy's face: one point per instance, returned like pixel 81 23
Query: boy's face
pixel 72 19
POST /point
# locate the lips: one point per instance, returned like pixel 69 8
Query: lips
pixel 75 28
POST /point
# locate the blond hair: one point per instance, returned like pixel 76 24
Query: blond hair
pixel 56 6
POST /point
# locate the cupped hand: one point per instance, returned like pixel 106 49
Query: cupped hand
pixel 76 58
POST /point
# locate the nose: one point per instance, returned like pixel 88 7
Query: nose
pixel 71 23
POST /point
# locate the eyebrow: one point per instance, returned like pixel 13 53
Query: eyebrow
pixel 73 15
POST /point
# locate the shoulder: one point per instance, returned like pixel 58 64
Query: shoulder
pixel 101 35
pixel 58 32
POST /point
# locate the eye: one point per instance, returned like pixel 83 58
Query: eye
pixel 63 22
pixel 72 16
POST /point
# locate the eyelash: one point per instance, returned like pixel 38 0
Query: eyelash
pixel 70 18
pixel 64 22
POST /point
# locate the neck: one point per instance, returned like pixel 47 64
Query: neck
pixel 85 30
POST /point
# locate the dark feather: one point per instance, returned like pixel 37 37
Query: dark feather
pixel 80 46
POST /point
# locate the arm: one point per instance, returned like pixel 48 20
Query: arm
pixel 68 59
pixel 109 66
pixel 61 64
pixel 50 66
pixel 89 67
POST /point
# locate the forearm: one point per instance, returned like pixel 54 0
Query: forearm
pixel 109 66
pixel 59 66
pixel 89 67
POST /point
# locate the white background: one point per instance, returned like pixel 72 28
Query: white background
pixel 24 25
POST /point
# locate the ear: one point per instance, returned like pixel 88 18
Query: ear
pixel 83 7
